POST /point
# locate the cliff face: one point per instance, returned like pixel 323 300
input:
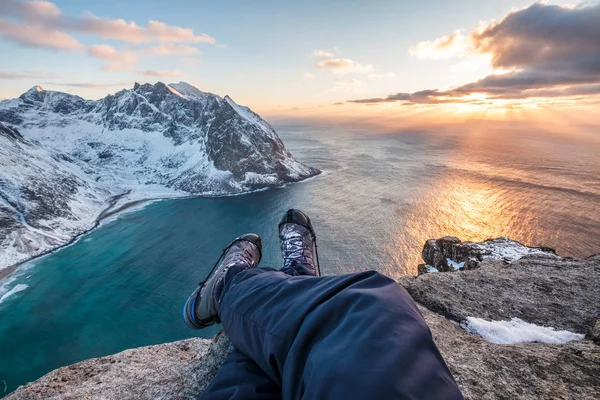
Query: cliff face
pixel 511 294
pixel 509 280
pixel 505 280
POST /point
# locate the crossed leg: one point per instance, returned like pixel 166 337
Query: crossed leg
pixel 349 336
pixel 240 377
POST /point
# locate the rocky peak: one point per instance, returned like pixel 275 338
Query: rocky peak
pixel 36 88
pixel 157 90
pixel 40 99
pixel 36 93
pixel 181 113
pixel 190 92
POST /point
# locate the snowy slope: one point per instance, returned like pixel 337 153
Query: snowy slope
pixel 149 141
pixel 45 198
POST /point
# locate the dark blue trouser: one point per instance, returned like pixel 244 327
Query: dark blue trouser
pixel 356 336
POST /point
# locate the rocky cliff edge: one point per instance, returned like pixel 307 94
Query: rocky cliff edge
pixel 512 322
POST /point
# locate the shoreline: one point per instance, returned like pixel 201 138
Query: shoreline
pixel 108 212
pixel 8 271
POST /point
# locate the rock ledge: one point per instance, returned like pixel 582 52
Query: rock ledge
pixel 499 279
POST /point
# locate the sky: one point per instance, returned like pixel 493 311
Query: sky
pixel 329 58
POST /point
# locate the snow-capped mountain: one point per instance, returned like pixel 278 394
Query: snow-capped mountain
pixel 63 159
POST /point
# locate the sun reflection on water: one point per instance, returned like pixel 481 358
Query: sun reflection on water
pixel 463 206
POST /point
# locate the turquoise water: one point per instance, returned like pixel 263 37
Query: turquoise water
pixel 380 197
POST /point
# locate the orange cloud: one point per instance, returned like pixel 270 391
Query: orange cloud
pixel 344 66
pixel 130 32
pixel 453 45
pixel 172 49
pixel 545 52
pixel 38 36
pixel 322 54
pixel 31 10
pixel 109 53
pixel 46 17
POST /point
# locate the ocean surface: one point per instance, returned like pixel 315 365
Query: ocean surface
pixel 381 195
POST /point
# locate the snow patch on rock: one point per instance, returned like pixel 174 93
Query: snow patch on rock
pixel 506 249
pixel 517 331
pixel 430 269
pixel 455 265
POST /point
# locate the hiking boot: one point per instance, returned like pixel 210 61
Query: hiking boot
pixel 202 307
pixel 298 244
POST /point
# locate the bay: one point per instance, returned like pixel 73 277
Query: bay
pixel 381 195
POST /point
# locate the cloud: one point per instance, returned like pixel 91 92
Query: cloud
pixel 341 66
pixel 161 73
pixel 307 75
pixel 33 10
pixel 172 49
pixel 421 97
pixel 453 45
pixel 42 24
pixel 322 54
pixel 130 32
pixel 37 36
pixel 109 53
pixel 88 85
pixel 8 75
pixel 546 39
pixel 118 67
pixel 542 51
pixel 344 66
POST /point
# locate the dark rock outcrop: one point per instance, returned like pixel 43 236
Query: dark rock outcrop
pixel 540 287
pixel 449 253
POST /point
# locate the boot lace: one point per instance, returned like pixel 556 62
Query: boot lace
pixel 296 249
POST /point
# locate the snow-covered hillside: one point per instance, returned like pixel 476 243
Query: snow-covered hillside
pixel 63 158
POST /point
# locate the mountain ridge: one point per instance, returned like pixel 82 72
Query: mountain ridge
pixel 150 141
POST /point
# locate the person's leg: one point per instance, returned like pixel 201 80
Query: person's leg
pixel 350 336
pixel 240 378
